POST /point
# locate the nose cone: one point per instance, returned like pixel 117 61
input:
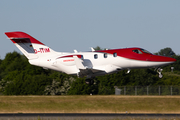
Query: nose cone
pixel 168 59
pixel 172 60
pixel 163 59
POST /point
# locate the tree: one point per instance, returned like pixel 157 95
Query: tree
pixel 79 87
pixel 59 86
pixel 97 48
pixel 166 52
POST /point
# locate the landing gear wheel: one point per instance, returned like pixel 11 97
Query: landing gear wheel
pixel 91 82
pixel 160 75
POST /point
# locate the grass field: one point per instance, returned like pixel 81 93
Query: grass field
pixel 90 104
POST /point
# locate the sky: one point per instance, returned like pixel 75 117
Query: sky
pixel 65 25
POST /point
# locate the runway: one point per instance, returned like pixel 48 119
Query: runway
pixel 83 116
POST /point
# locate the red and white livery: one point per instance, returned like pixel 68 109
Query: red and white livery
pixel 86 64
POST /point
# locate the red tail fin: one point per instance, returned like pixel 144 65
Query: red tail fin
pixel 19 37
pixel 29 46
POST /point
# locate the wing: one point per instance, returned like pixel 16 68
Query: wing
pixel 91 72
pixel 83 70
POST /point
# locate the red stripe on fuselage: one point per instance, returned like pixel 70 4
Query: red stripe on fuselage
pixel 79 56
pixel 128 53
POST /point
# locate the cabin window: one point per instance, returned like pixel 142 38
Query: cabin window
pixel 95 56
pixel 115 54
pixel 105 55
pixel 137 51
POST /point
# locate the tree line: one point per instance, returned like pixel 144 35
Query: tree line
pixel 18 77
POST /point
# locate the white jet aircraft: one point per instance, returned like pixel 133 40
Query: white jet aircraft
pixel 86 64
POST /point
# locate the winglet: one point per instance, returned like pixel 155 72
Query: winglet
pixel 92 49
pixel 75 51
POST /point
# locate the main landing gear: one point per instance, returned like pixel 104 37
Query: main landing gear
pixel 90 81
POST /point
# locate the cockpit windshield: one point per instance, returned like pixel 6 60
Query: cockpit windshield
pixel 141 51
pixel 137 51
pixel 145 51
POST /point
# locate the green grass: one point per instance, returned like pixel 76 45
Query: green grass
pixel 90 104
pixel 82 118
pixel 172 74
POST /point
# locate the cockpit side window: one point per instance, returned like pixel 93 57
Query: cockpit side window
pixel 145 51
pixel 137 51
pixel 115 54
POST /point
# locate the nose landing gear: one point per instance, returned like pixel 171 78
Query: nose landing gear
pixel 159 70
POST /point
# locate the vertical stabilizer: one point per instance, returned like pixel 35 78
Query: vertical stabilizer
pixel 29 46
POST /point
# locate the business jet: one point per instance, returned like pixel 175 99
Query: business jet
pixel 87 64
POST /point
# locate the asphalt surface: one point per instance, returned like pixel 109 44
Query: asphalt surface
pixel 82 116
